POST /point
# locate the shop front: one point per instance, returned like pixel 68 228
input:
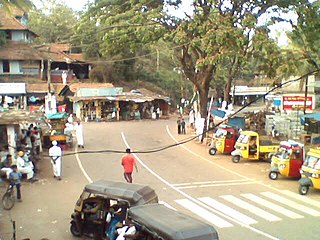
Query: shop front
pixel 13 96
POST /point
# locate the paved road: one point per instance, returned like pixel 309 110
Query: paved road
pixel 237 199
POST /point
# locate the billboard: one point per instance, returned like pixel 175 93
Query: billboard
pixel 296 102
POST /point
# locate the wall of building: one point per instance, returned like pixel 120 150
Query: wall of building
pixel 15 67
pixel 20 36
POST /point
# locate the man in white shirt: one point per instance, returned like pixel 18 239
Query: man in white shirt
pixel 25 167
pixel 127 232
pixel 55 153
pixel 79 134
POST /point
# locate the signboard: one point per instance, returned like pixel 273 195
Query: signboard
pixel 12 88
pixel 296 102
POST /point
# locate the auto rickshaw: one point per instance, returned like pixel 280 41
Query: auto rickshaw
pixel 98 198
pixel 287 161
pixel 157 222
pixel 251 146
pixel 223 140
pixel 310 172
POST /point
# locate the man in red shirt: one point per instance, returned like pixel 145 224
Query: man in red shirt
pixel 128 161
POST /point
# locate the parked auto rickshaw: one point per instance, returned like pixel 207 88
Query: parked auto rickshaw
pixel 287 161
pixel 98 198
pixel 250 146
pixel 157 222
pixel 310 172
pixel 223 140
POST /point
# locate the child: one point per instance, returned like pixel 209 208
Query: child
pixel 14 178
pixel 183 126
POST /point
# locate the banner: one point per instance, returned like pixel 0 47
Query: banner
pixel 296 102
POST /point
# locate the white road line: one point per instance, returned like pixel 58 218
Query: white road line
pixel 203 213
pixel 251 208
pixel 167 205
pixel 196 200
pixel 216 185
pixel 228 210
pixel 304 199
pixel 290 203
pixel 272 206
pixel 207 182
pixel 81 167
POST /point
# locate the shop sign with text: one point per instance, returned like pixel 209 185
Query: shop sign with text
pixel 297 102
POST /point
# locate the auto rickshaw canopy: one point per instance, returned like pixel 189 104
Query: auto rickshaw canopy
pixel 134 194
pixel 168 224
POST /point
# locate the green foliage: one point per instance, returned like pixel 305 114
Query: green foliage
pixel 8 5
pixel 3 38
pixel 53 23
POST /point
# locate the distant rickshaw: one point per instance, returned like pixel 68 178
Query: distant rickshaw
pixel 223 140
pixel 287 161
pixel 251 146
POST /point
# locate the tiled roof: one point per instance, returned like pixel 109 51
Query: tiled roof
pixel 56 52
pixel 75 86
pixel 8 22
pixel 43 87
pixel 19 51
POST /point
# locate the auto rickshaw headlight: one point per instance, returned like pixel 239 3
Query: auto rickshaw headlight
pixel 301 171
pixel 243 148
pixel 314 175
pixel 218 143
pixel 282 166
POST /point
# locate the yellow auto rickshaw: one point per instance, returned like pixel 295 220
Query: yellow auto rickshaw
pixel 251 146
pixel 310 172
pixel 287 161
pixel 223 140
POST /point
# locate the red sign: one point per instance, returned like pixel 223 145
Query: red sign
pixel 296 102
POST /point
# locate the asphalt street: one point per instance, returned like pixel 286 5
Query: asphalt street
pixel 239 200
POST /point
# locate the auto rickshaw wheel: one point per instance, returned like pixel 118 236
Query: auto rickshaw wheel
pixel 236 159
pixel 212 151
pixel 303 189
pixel 273 175
pixel 74 229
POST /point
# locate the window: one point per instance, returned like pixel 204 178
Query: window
pixel 9 35
pixel 6 66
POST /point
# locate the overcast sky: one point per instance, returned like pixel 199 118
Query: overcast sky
pixel 74 4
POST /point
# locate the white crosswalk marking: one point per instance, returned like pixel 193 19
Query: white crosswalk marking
pixel 251 208
pixel 270 205
pixel 288 202
pixel 203 213
pixel 227 210
pixel 302 198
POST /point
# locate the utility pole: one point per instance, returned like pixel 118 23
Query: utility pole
pixel 158 60
pixel 305 95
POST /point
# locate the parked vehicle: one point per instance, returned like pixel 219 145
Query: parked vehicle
pixel 157 222
pixel 96 200
pixel 251 146
pixel 8 198
pixel 310 172
pixel 223 140
pixel 287 161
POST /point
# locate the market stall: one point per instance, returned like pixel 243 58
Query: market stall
pixel 57 122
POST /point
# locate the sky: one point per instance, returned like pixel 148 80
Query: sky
pixel 77 5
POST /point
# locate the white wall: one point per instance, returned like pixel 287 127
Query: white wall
pixel 1 67
pixel 14 67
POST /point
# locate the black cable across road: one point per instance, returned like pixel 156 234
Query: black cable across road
pixel 186 140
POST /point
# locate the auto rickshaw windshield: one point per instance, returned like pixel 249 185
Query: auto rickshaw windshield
pixel 312 162
pixel 283 153
pixel 220 133
pixel 243 139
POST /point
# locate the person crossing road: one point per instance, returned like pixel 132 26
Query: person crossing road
pixel 55 154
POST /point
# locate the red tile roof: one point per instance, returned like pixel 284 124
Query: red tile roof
pixel 75 86
pixel 8 22
pixel 59 53
pixel 19 51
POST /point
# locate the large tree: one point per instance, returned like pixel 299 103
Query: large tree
pixel 54 23
pixel 217 35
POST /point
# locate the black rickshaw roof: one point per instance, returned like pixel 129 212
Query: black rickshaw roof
pixel 135 194
pixel 169 224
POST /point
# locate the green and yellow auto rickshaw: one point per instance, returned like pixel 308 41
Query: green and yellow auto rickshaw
pixel 250 145
pixel 310 172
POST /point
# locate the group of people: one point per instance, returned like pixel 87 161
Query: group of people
pixel 78 128
pixel 181 125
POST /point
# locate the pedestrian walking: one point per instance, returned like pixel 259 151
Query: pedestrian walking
pixel 79 134
pixel 183 126
pixel 179 125
pixel 15 180
pixel 128 161
pixel 55 154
